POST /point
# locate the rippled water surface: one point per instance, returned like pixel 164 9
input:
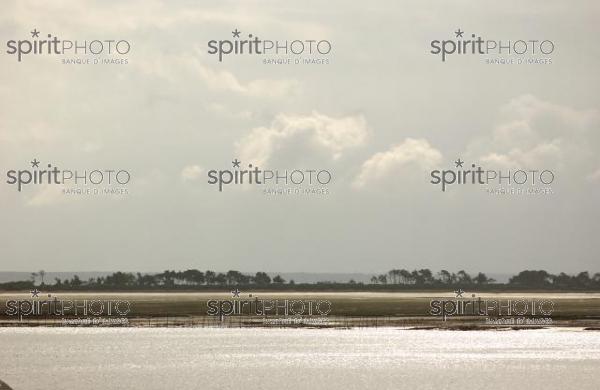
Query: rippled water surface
pixel 195 358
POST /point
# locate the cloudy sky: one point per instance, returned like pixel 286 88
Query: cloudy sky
pixel 380 116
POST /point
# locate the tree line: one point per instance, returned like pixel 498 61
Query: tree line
pixel 424 277
pixel 173 279
pixel 395 278
pixel 529 278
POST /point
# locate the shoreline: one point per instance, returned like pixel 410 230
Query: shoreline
pixel 333 322
pixel 301 309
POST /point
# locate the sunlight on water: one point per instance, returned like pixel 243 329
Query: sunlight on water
pixel 193 358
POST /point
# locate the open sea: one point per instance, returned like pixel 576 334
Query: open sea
pixel 257 358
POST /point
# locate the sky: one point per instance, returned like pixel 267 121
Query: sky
pixel 380 115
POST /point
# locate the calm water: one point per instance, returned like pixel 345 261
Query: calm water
pixel 133 358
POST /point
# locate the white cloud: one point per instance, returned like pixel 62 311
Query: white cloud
pixel 334 135
pixel 38 133
pixel 595 176
pixel 182 68
pixel 537 133
pixel 542 154
pixel 219 79
pixel 47 195
pixel 141 15
pixel 91 147
pixel 191 172
pixel 223 110
pixel 412 152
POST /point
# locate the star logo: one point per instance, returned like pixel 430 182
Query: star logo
pixel 459 293
pixel 236 33
pixel 236 163
pixel 459 163
pixel 235 293
pixel 35 33
pixel 459 33
pixel 35 163
pixel 35 293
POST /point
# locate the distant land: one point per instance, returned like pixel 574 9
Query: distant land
pixel 298 277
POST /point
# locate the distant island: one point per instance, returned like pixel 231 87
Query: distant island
pixel 394 280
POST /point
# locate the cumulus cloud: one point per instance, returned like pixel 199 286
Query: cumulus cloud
pixel 47 195
pixel 223 110
pixel 543 154
pixel 537 133
pixel 191 172
pixel 532 134
pixel 140 15
pixel 184 67
pixel 220 79
pixel 595 176
pixel 412 152
pixel 91 147
pixel 333 135
pixel 38 133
